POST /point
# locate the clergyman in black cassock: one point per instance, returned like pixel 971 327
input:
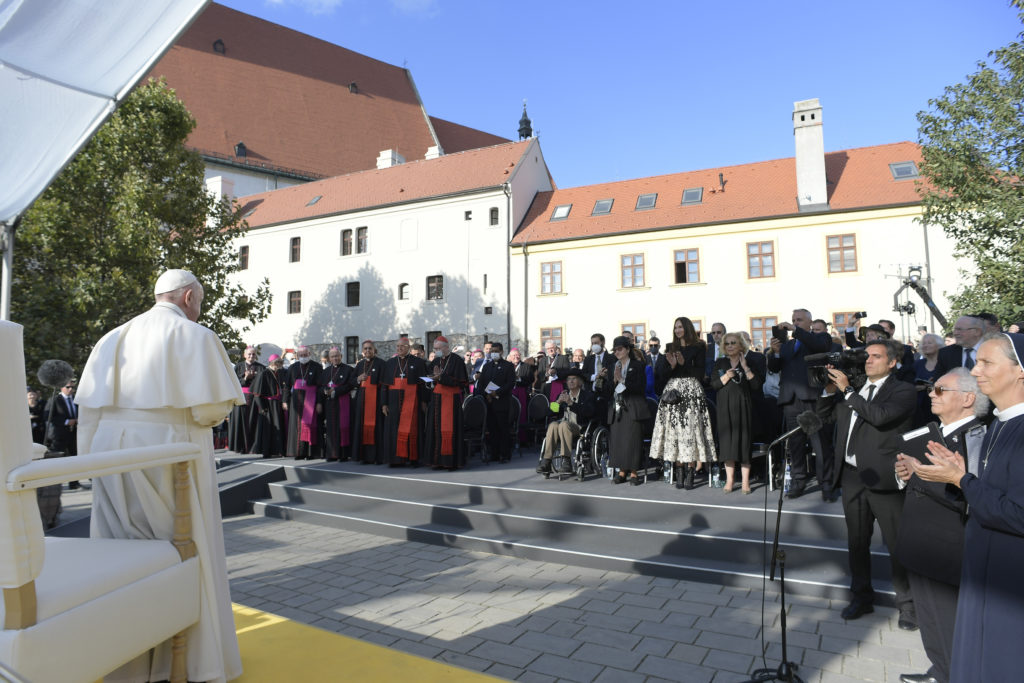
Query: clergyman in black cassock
pixel 500 374
pixel 402 387
pixel 242 422
pixel 368 418
pixel 444 441
pixel 337 381
pixel 931 537
pixel 267 397
pixel 300 396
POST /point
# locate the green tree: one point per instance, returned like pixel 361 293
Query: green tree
pixel 972 143
pixel 131 204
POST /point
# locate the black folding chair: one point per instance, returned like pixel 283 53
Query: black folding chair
pixel 474 425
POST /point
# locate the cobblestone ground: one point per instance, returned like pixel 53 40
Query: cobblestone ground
pixel 540 621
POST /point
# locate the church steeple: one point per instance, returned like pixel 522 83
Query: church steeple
pixel 525 130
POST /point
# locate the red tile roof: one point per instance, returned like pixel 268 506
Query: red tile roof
pixel 455 137
pixel 857 179
pixel 286 96
pixel 450 174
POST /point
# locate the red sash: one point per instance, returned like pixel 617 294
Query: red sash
pixel 369 410
pixel 448 397
pixel 407 422
pixel 306 431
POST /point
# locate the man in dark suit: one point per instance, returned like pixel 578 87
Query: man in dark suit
pixel 497 379
pixel 598 368
pixel 62 423
pixel 931 536
pixel 968 332
pixel 797 396
pixel 869 427
pixel 653 351
pixel 715 350
pixel 550 366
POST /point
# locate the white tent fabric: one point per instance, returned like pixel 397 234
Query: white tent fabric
pixel 64 66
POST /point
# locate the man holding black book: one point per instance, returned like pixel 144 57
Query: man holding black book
pixel 931 535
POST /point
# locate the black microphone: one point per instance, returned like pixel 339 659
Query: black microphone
pixel 808 422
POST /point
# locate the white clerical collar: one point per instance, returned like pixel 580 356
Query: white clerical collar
pixel 171 307
pixel 1010 413
pixel 953 426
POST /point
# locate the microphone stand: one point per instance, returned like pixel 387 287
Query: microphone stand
pixel 787 669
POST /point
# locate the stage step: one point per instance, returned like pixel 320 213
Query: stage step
pixel 590 524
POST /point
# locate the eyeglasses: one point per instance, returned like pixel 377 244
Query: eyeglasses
pixel 938 391
pixel 729 343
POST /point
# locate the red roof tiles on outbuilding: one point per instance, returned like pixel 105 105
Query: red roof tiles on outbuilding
pixel 856 179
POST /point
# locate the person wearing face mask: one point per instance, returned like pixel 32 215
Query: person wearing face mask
pixel 266 392
pixel 445 447
pixel 653 351
pixel 368 417
pixel 401 384
pixel 300 395
pixel 242 423
pixel 524 383
pixel 598 368
pixel 336 382
pixel 497 380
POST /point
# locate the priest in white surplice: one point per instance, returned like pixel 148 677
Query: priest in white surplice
pixel 162 378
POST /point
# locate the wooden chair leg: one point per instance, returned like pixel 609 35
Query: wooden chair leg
pixel 179 673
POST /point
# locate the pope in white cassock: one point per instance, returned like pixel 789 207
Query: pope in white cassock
pixel 163 378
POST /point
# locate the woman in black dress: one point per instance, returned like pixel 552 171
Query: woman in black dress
pixel 626 414
pixel 735 382
pixel 682 430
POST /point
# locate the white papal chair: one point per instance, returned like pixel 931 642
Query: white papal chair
pixel 75 609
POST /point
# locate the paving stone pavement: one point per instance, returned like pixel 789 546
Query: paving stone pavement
pixel 537 621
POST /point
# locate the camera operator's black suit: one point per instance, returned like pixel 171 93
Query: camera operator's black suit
pixel 870 490
pixel 796 396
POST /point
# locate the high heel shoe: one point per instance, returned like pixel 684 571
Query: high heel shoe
pixel 618 478
pixel 634 481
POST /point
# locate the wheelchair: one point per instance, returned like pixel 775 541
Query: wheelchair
pixel 589 456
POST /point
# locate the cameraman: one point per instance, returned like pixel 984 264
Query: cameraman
pixel 869 425
pixel 796 395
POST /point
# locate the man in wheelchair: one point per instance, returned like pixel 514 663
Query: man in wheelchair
pixel 575 409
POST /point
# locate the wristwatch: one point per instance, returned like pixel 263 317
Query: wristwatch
pixel 848 390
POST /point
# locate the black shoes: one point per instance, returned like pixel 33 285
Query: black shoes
pixel 544 467
pixel 857 609
pixel 634 481
pixel 829 495
pixel 796 489
pixel 908 619
pixel 918 678
pixel 618 478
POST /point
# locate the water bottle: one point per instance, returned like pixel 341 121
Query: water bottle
pixel 716 477
pixel 787 480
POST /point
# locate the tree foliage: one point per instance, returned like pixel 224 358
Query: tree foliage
pixel 972 140
pixel 131 204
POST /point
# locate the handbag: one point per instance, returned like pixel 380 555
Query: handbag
pixel 671 397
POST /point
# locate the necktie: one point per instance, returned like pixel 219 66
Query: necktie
pixel 871 392
pixel 969 360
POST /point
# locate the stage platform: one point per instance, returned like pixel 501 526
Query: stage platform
pixel 655 529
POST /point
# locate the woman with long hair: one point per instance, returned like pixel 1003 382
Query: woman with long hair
pixel 626 414
pixel 682 429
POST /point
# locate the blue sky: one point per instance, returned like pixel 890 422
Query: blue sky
pixel 620 90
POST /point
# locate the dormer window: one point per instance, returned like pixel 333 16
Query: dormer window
pixel 693 195
pixel 903 170
pixel 561 212
pixel 647 201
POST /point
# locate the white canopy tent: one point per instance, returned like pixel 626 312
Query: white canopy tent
pixel 64 67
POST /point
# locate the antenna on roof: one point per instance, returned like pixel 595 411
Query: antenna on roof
pixel 721 181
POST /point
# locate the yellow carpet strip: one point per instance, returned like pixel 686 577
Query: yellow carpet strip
pixel 276 649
